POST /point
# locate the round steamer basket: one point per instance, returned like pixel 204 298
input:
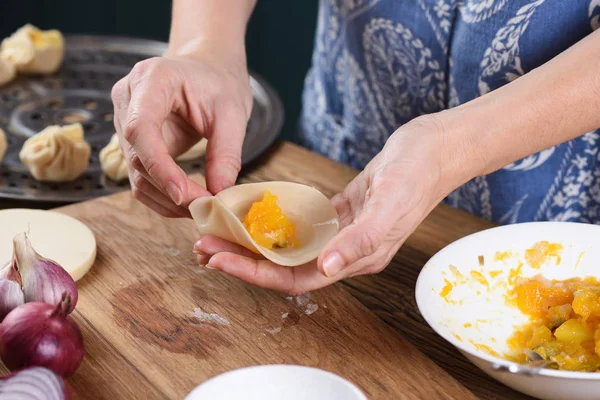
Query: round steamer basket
pixel 80 92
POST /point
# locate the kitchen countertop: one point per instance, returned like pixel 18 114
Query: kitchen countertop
pixel 155 324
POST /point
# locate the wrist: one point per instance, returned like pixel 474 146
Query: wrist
pixel 217 50
pixel 458 156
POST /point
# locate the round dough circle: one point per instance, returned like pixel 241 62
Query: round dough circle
pixel 58 237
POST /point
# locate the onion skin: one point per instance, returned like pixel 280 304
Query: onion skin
pixel 34 383
pixel 41 334
pixel 43 280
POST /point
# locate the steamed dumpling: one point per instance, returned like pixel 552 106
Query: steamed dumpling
pixel 33 51
pixel 3 144
pixel 112 160
pixel 194 152
pixel 56 154
pixel 8 72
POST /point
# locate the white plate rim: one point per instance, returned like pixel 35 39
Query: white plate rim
pixel 420 288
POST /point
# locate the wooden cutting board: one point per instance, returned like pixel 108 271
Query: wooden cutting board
pixel 156 324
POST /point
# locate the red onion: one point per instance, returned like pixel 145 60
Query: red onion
pixel 35 383
pixel 41 334
pixel 42 279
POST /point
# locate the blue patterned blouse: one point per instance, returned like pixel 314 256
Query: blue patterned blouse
pixel 380 63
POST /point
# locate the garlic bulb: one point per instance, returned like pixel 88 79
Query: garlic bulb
pixel 57 153
pixel 314 217
pixel 42 279
pixel 112 160
pixel 11 294
pixel 3 144
pixel 33 51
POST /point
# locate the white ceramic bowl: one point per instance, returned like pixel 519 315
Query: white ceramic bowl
pixel 492 320
pixel 277 382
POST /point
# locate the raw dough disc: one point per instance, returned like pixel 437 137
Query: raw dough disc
pixel 194 152
pixel 56 236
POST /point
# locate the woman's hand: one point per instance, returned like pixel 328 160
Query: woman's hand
pixel 165 106
pixel 378 210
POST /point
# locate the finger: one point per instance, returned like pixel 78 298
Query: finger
pixel 364 236
pixel 265 274
pixel 179 135
pixel 151 102
pixel 202 259
pixel 211 245
pixel 194 189
pixel 150 203
pixel 343 209
pixel 141 185
pixel 120 96
pixel 224 149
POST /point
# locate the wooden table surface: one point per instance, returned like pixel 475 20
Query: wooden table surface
pixel 156 325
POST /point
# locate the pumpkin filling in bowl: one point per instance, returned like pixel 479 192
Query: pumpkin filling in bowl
pixel 565 322
pixel 269 226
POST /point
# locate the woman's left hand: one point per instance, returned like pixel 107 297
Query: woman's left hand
pixel 378 210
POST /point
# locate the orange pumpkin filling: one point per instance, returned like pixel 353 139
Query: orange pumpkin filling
pixel 565 325
pixel 269 226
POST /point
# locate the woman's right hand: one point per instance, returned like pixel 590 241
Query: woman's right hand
pixel 166 105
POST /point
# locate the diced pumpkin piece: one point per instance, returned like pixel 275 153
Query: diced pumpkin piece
pixel 586 302
pixel 573 330
pixel 540 335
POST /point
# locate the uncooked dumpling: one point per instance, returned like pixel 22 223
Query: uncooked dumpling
pixel 194 152
pixel 112 160
pixel 33 51
pixel 3 144
pixel 314 217
pixel 8 72
pixel 56 154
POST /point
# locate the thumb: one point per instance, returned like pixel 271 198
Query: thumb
pixel 224 149
pixel 362 238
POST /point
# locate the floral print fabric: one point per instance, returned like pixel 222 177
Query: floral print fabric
pixel 377 64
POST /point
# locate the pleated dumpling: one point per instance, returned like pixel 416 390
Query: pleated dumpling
pixel 8 72
pixel 56 154
pixel 33 51
pixel 3 144
pixel 112 160
pixel 288 223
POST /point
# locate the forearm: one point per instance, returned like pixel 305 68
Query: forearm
pixel 550 105
pixel 218 24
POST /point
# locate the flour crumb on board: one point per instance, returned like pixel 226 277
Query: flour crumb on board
pixel 285 315
pixel 274 331
pixel 200 271
pixel 303 299
pixel 120 283
pixel 311 308
pixel 208 317
pixel 170 251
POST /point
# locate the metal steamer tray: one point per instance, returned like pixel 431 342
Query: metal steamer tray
pixel 80 92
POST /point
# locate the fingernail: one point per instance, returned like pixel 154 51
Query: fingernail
pixel 208 265
pixel 174 193
pixel 197 245
pixel 333 264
